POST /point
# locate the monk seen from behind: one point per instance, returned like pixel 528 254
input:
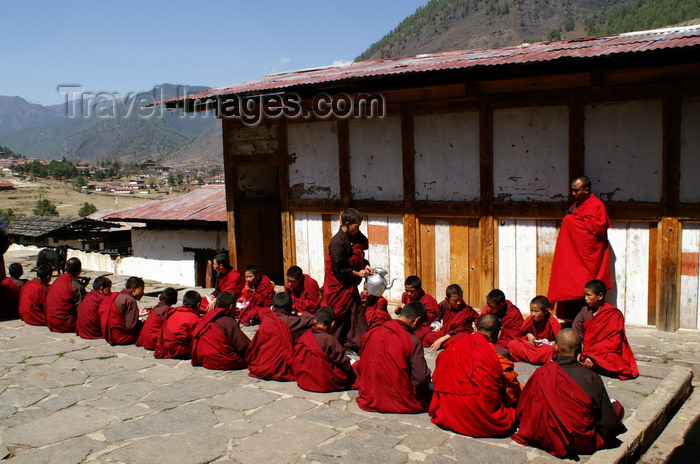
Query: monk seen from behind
pixel 63 298
pixel 119 313
pixel 89 325
pixel 475 390
pixel 175 338
pixel 156 316
pixel 32 297
pixel 392 373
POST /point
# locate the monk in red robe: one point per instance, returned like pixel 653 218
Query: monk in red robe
pixel 63 298
pixel 534 343
pixel 413 291
pixel 228 279
pixel 320 364
pixel 154 321
pixel 304 290
pixel 605 345
pixel 218 342
pixel 509 316
pixel 392 373
pixel 475 390
pixel 32 297
pixel 456 318
pixel 271 352
pixel 120 314
pixel 177 331
pixel 582 252
pixel 89 325
pixel 256 295
pixel 564 408
pixel 345 269
pixel 9 292
pixel 375 307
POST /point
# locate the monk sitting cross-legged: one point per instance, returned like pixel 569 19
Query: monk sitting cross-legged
pixel 414 292
pixel 89 325
pixel 605 345
pixel 457 319
pixel 175 338
pixel 218 341
pixel 320 364
pixel 271 352
pixel 509 316
pixel 10 287
pixel 475 390
pixel 151 326
pixel 63 298
pixel 564 408
pixel 392 373
pixel 228 279
pixel 119 313
pixel 304 290
pixel 32 297
pixel 375 307
pixel 533 344
pixel 256 295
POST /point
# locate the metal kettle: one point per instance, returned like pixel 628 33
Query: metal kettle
pixel 376 284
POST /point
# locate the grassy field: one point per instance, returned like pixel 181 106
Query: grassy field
pixel 66 198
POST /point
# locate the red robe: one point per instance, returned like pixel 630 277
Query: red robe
pixel 556 414
pixel 431 305
pixel 306 297
pixel 32 299
pixel 271 351
pixel 260 298
pixel 213 349
pixel 320 368
pixel 384 372
pixel 151 326
pixel 89 325
pixel 454 323
pixel 175 338
pixel 113 321
pixel 511 323
pixel 582 252
pixel 377 313
pixel 605 342
pixel 232 282
pixel 470 394
pixel 9 295
pixel 522 351
pixel 61 313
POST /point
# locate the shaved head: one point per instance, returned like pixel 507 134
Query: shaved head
pixel 489 325
pixel 568 342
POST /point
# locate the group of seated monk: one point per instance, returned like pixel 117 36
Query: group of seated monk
pixel 563 408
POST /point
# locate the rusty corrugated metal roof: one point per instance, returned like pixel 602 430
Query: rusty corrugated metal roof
pixel 206 204
pixel 629 43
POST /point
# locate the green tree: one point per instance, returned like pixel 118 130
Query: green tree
pixel 10 214
pixel 151 182
pixel 87 209
pixel 570 24
pixel 99 174
pixel 171 179
pixel 180 178
pixel 45 207
pixel 79 182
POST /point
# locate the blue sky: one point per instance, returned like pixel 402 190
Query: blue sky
pixel 124 46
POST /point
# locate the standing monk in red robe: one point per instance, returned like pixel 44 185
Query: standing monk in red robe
pixel 9 292
pixel 119 313
pixel 32 297
pixel 582 252
pixel 63 298
pixel 375 308
pixel 414 292
pixel 218 341
pixel 304 290
pixel 228 279
pixel 256 295
pixel 175 339
pixel 564 408
pixel 475 390
pixel 605 345
pixel 345 269
pixel 457 319
pixel 509 316
pixel 89 325
pixel 320 364
pixel 533 344
pixel 392 373
pixel 271 352
pixel 151 326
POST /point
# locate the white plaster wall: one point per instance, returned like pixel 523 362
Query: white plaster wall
pixel 375 159
pixel 447 156
pixel 258 181
pixel 690 150
pixel 530 153
pixel 314 171
pixel 623 149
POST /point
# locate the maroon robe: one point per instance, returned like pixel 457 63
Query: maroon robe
pixel 259 298
pixel 271 351
pixel 88 325
pixel 213 348
pixel 175 338
pixel 522 351
pixel 454 323
pixel 151 326
pixel 320 364
pixel 32 299
pixel 119 318
pixel 9 295
pixel 232 282
pixel 431 305
pixel 376 313
pixel 62 305
pixel 511 323
pixel 306 297
pixel 605 342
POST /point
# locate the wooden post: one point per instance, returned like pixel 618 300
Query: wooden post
pixel 408 156
pixel 231 183
pixel 486 219
pixel 288 244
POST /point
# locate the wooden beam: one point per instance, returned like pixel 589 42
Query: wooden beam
pixel 487 228
pixel 288 244
pixel 344 162
pixel 653 269
pixel 231 185
pixel 449 209
pixel 411 237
